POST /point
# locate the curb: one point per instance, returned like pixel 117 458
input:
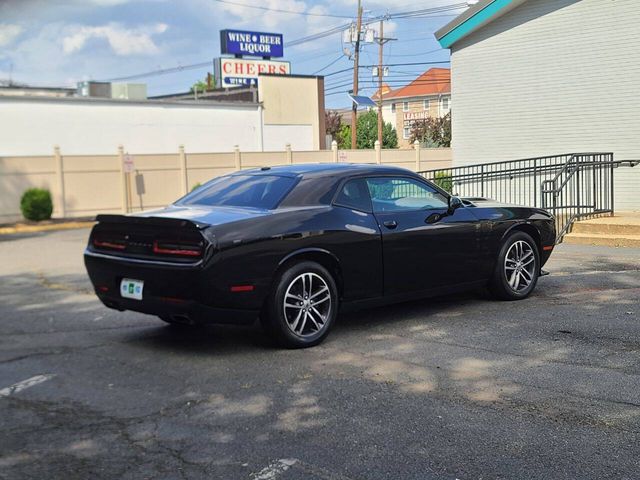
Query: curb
pixel 21 228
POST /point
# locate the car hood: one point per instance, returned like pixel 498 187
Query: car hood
pixel 490 203
pixel 204 216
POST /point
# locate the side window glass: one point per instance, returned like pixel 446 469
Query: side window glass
pixel 392 194
pixel 354 194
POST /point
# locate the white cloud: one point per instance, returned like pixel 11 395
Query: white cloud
pixel 122 41
pixel 8 33
pixel 108 3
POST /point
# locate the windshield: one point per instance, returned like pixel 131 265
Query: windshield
pixel 255 191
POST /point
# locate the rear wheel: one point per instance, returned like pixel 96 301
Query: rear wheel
pixel 302 306
pixel 517 268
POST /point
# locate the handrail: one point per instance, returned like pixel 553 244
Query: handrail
pixel 570 186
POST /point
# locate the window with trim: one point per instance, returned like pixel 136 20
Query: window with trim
pixel 405 106
pixel 426 103
pixel 406 133
pixel 354 194
pixel 393 108
pixel 394 194
pixel 445 103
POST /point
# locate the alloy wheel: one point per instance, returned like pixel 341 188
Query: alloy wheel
pixel 307 304
pixel 520 265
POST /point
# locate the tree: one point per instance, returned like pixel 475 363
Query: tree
pixel 332 123
pixel 202 86
pixel 368 132
pixel 344 137
pixel 432 132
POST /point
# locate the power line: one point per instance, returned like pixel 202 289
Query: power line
pixel 278 10
pixel 328 65
pixel 317 36
pixel 180 68
pixel 399 83
pixel 338 28
pixel 414 54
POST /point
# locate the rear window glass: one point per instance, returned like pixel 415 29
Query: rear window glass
pixel 255 191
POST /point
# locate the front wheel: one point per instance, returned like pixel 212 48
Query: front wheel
pixel 517 268
pixel 302 307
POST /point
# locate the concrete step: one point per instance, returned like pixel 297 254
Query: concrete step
pixel 624 224
pixel 610 240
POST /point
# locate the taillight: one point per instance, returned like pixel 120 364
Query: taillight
pixel 109 244
pixel 177 248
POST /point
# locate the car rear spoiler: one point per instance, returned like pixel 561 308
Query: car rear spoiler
pixel 151 221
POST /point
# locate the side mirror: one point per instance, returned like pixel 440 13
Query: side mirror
pixel 454 204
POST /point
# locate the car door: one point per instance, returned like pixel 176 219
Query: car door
pixel 424 247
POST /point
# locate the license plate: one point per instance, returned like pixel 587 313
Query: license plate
pixel 131 288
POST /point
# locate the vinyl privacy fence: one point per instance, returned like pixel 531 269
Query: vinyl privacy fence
pixel 85 185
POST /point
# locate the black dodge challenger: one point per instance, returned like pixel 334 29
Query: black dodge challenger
pixel 293 245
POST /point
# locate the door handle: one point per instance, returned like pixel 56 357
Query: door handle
pixel 390 224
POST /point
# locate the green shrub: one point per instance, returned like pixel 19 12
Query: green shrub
pixel 196 186
pixel 36 204
pixel 444 181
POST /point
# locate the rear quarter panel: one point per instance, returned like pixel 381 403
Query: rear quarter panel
pixel 250 252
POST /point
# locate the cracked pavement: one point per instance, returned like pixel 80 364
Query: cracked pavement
pixel 455 387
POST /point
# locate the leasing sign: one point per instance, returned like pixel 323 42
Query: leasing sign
pixel 233 72
pixel 256 44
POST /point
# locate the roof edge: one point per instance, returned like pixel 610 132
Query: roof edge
pixel 473 18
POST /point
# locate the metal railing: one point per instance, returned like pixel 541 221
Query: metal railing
pixel 570 186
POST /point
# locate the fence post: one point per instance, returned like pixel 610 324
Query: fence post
pixel 60 200
pixel 123 180
pixel 236 157
pixel 376 147
pixel 416 146
pixel 288 154
pixel 183 170
pixel 334 151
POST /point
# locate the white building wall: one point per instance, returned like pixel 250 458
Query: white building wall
pixel 34 126
pixel 300 137
pixel 387 115
pixel 550 77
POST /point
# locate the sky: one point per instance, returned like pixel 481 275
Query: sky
pixel 58 43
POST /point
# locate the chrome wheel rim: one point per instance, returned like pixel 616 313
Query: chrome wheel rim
pixel 307 304
pixel 520 265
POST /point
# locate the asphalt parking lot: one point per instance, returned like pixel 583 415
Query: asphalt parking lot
pixel 457 387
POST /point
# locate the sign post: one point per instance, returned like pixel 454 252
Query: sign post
pixel 127 167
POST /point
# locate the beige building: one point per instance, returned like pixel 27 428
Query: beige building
pixel 429 95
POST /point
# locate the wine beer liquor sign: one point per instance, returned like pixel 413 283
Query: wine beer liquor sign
pixel 236 71
pixel 255 44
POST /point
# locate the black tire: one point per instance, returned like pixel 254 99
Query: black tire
pixel 280 324
pixel 502 282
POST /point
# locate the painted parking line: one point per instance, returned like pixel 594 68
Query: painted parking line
pixel 24 384
pixel 274 469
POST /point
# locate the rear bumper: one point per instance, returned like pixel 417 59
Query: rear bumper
pixel 181 293
pixel 180 311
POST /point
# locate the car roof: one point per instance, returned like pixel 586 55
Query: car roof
pixel 308 170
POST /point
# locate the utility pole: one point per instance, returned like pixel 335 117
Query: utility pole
pixel 381 40
pixel 354 107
